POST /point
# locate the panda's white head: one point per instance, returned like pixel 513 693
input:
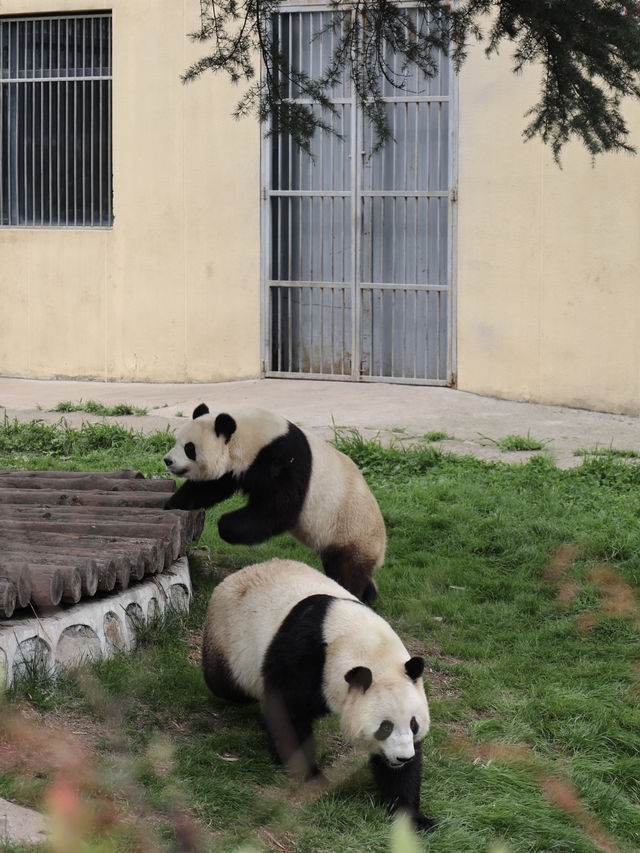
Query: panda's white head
pixel 389 715
pixel 201 451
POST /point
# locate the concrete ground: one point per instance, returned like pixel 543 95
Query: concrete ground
pixel 400 412
pixel 18 824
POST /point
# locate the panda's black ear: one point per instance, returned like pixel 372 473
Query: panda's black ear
pixel 200 410
pixel 226 426
pixel 414 668
pixel 359 676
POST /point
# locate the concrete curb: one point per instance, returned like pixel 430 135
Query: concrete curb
pixel 92 628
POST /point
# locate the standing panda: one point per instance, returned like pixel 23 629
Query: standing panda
pixel 292 638
pixel 295 481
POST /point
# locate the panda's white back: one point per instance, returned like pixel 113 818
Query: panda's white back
pixel 339 508
pixel 247 609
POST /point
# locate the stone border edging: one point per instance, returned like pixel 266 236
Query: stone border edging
pixel 93 627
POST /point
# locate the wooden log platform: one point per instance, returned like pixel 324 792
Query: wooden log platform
pixel 66 535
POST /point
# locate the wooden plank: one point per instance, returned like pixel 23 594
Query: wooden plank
pixel 14 568
pixel 124 474
pixel 169 530
pixel 88 497
pixel 90 544
pixel 71 584
pixel 46 586
pixel 103 566
pixel 94 514
pixel 64 535
pixel 8 596
pixel 92 481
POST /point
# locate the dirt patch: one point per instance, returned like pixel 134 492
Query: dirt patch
pixel 561 559
pixel 194 642
pixel 441 684
pixel 87 789
pixel 568 591
pixel 32 742
pixel 619 597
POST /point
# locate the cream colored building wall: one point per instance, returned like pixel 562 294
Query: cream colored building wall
pixel 548 260
pixel 172 291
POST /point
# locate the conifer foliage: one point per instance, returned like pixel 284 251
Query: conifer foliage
pixel 588 53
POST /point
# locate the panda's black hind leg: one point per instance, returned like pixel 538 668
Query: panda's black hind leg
pixel 370 592
pixel 219 678
pixel 344 565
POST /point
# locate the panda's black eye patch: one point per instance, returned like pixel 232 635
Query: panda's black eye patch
pixel 190 451
pixel 384 730
pixel 414 725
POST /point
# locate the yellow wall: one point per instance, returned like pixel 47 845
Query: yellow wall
pixel 172 291
pixel 548 259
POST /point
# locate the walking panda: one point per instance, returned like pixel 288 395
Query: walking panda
pixel 295 482
pixel 292 638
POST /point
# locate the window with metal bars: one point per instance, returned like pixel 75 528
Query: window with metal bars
pixel 55 121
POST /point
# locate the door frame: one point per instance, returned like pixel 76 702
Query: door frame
pixel 293 6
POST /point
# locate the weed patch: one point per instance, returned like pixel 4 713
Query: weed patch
pixel 92 407
pixel 436 435
pixel 608 452
pixel 516 442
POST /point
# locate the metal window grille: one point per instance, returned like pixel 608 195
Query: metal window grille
pixel 55 121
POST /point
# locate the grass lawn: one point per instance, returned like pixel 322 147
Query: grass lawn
pixel 519 584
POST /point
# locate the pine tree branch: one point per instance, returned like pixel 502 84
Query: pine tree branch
pixel 588 52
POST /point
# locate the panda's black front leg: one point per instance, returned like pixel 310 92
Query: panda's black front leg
pixel 201 494
pixel 399 787
pixel 248 526
pixel 291 739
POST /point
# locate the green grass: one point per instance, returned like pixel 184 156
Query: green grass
pixel 101 447
pixel 610 452
pixel 437 435
pixel 517 442
pixel 518 583
pixel 92 407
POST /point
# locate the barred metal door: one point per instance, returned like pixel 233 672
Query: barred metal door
pixel 358 245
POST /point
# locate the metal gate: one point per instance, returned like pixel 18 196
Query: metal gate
pixel 357 244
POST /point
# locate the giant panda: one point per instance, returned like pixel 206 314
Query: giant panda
pixel 284 634
pixel 295 481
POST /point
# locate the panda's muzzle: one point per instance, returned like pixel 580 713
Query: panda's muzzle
pixel 178 472
pixel 399 760
pixel 399 756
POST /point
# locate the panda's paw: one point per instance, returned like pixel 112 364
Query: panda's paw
pixel 315 786
pixel 179 501
pixel 423 823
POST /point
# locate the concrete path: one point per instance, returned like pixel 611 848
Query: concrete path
pixel 394 412
pixel 18 824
